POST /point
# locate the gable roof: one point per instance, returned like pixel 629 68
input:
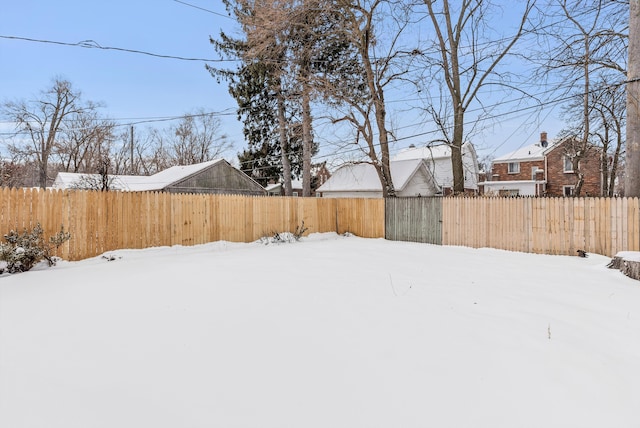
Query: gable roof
pixel 138 183
pixel 362 177
pixel 528 153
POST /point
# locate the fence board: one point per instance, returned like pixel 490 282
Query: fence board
pixel 414 219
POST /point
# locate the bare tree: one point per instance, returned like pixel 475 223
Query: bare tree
pixel 606 134
pixel 468 57
pixel 374 29
pixel 197 139
pixel 609 109
pixel 42 120
pixel 13 174
pixel 83 140
pixel 102 180
pixel 590 49
pixel 154 153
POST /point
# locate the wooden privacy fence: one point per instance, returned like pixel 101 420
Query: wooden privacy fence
pixel 534 225
pixel 106 221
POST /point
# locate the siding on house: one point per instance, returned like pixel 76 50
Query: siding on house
pixel 418 183
pixel 438 159
pixel 218 179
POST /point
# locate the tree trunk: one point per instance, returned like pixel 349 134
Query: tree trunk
pixel 388 189
pixel 306 136
pixel 284 146
pixel 456 151
pixel 587 120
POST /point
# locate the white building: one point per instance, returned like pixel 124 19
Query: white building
pixel 439 160
pixel 415 171
pixel 411 177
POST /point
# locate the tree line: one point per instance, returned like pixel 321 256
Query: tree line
pixel 342 58
pixel 297 60
pixel 59 131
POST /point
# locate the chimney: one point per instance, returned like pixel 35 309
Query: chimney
pixel 543 139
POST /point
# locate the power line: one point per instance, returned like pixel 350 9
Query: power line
pixel 135 121
pixel 203 9
pixel 91 44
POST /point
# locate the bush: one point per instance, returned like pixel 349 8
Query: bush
pixel 22 251
pixel 285 237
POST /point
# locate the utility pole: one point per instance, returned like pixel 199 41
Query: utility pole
pixel 632 159
pixel 131 150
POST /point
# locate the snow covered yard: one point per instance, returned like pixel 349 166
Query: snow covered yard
pixel 330 331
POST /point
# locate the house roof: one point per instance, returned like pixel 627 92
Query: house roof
pixel 440 151
pixel 527 153
pixel 362 177
pixel 295 184
pixel 426 152
pixel 138 183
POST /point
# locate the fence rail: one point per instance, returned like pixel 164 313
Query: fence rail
pixel 107 221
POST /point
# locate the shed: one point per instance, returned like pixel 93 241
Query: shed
pixel 214 177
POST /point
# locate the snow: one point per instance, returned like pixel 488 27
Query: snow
pixel 363 176
pixel 632 256
pixel 425 152
pixel 330 331
pixel 530 152
pixel 158 181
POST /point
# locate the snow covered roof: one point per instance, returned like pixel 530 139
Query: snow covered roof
pixel 531 152
pixel 441 151
pixel 426 152
pixel 295 184
pixel 169 176
pixel 136 183
pixel 363 176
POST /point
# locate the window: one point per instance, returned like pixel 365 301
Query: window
pixel 568 163
pixel 567 190
pixel 514 167
pixel 533 172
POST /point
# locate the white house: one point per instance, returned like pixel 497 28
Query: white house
pixel 438 158
pixel 277 189
pixel 411 177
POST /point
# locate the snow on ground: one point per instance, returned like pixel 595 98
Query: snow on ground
pixel 330 331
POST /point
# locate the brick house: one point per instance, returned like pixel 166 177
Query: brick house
pixel 544 169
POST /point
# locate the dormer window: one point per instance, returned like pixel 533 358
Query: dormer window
pixel 513 167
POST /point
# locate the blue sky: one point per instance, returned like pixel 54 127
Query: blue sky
pixel 138 86
pixel 130 85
